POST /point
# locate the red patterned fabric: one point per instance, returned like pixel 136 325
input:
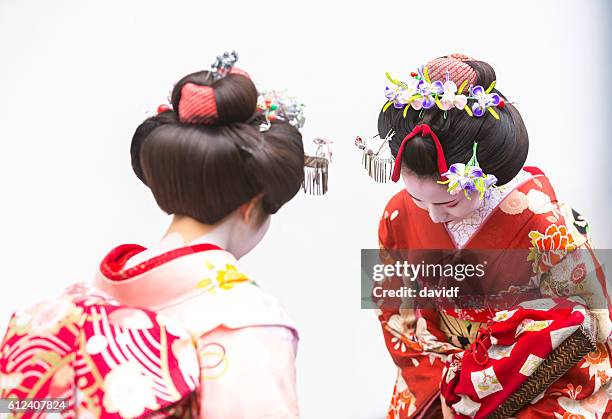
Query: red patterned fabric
pixel 197 105
pixel 107 360
pixel 479 380
pixel 458 71
pixel 461 57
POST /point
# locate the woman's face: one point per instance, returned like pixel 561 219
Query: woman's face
pixel 436 200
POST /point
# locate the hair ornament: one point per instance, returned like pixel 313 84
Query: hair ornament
pixel 421 93
pixel 198 103
pixel 469 177
pixel 376 158
pixel 277 105
pixel 163 108
pixel 316 168
pixel 223 65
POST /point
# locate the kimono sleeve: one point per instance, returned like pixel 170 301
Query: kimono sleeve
pixel 567 265
pixel 413 339
pixel 385 233
pixel 248 372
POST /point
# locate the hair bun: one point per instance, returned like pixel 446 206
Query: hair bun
pixel 200 99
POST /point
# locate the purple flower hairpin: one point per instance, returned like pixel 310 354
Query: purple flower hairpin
pixel 469 177
pixel 484 100
pixel 421 93
pixel 428 90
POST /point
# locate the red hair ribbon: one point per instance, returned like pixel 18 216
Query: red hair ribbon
pixel 423 130
pixel 197 104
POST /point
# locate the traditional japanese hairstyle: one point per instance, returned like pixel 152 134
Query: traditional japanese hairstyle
pixel 204 155
pixel 449 122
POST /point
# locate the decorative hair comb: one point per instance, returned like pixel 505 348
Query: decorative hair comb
pixel 379 163
pixel 421 93
pixel 469 177
pixel 316 168
pixel 279 106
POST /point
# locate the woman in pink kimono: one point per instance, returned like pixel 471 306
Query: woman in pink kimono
pixel 178 328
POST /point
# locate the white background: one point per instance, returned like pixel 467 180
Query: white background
pixel 76 78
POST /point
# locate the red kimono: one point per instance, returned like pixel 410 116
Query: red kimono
pixel 426 341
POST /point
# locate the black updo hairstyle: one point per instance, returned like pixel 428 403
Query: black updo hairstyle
pixel 502 144
pixel 207 171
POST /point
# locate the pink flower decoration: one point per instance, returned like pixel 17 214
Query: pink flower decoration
pixel 515 203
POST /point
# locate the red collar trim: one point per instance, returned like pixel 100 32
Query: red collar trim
pixel 535 171
pixel 112 265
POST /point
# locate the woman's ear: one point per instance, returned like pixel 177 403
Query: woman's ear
pixel 251 209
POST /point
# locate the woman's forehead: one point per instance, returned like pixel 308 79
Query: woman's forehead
pixel 425 189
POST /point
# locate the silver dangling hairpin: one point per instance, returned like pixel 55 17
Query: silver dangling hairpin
pixel 223 65
pixel 278 106
pixel 379 163
pixel 316 168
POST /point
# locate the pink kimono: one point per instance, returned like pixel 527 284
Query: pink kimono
pixel 177 331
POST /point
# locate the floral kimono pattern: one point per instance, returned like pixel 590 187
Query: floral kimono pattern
pixel 104 359
pixel 476 382
pixel 185 334
pixel 428 341
pixel 246 342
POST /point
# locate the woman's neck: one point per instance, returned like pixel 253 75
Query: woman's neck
pixel 232 233
pixel 227 233
pixel 189 228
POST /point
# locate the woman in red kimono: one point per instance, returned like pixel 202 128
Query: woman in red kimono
pixel 488 200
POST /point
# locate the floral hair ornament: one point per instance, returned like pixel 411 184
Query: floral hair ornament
pixel 469 177
pixel 421 93
pixel 279 106
pixel 377 158
pixel 316 168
